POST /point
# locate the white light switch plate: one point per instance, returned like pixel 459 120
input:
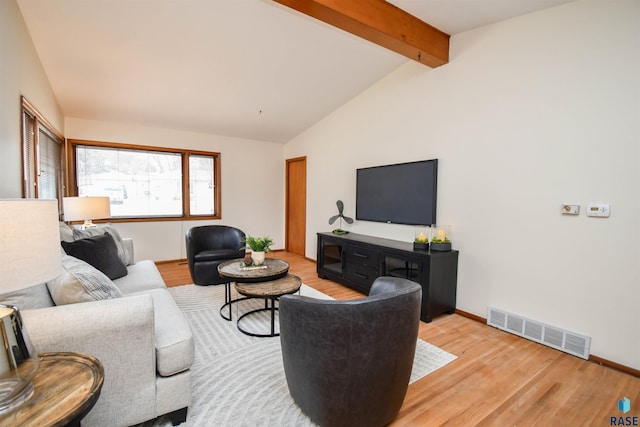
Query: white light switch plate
pixel 598 209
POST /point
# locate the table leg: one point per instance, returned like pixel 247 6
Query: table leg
pixel 273 316
pixel 227 301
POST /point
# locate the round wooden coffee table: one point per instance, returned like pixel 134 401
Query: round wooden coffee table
pixel 269 291
pixel 66 386
pixel 235 271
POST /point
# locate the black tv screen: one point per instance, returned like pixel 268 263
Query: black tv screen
pixel 403 193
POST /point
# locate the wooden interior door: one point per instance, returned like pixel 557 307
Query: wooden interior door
pixel 296 205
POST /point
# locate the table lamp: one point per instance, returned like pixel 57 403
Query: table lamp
pixel 86 209
pixel 29 255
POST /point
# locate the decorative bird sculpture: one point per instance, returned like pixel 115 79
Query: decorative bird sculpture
pixel 340 216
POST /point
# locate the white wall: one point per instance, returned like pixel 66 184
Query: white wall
pixel 21 73
pixel 252 184
pixel 529 114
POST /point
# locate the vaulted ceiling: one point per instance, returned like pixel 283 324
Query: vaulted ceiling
pixel 243 68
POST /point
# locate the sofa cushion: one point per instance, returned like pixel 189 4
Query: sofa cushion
pixel 125 256
pixel 175 351
pixel 30 298
pixel 66 232
pixel 80 282
pixel 99 251
pixel 143 275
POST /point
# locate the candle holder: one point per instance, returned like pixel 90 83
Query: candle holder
pixel 441 240
pixel 422 237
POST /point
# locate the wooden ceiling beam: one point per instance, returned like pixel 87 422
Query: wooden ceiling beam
pixel 382 23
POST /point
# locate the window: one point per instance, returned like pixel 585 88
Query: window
pixel 201 184
pixel 148 182
pixel 42 148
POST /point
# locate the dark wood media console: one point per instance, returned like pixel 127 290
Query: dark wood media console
pixel 356 260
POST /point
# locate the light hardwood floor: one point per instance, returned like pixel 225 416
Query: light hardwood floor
pixel 498 379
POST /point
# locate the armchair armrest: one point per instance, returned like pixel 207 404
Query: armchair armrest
pixel 120 333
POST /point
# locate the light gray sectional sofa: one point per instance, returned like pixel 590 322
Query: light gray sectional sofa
pixel 137 331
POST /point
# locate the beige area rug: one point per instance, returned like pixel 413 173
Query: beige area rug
pixel 238 380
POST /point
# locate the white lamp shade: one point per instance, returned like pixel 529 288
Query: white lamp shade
pixel 29 243
pixel 82 208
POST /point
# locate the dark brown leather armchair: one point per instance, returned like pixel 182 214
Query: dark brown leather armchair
pixel 208 246
pixel 348 363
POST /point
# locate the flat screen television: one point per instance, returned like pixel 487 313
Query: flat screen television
pixel 404 193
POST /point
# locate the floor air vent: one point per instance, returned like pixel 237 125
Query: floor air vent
pixel 558 338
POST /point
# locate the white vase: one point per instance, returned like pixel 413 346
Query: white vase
pixel 257 257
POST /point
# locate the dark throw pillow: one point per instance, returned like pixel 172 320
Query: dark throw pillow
pixel 100 252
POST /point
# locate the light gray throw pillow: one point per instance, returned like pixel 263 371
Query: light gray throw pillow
pixel 80 282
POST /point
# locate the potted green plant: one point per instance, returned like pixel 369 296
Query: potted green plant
pixel 259 246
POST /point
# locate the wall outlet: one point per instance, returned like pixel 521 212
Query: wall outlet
pixel 570 209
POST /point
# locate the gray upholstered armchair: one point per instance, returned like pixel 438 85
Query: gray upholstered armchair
pixel 348 363
pixel 208 246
